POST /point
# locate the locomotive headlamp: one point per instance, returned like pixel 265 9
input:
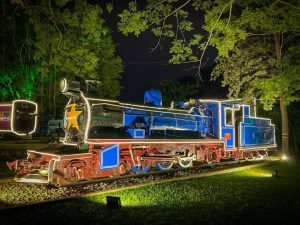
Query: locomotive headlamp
pixel 69 86
pixel 63 85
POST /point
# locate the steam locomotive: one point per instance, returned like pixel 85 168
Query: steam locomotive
pixel 106 138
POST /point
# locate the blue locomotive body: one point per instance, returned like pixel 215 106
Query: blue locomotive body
pixel 198 119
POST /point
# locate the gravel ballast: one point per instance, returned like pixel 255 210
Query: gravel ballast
pixel 13 194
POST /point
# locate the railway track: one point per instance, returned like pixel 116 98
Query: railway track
pixel 13 194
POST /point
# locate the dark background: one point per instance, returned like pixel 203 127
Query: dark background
pixel 145 69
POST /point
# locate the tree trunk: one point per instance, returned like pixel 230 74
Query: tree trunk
pixel 283 106
pixel 284 126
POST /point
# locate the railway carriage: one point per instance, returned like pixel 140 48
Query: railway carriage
pixel 19 117
pixel 110 138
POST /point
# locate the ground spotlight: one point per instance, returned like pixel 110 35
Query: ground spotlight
pixel 284 157
pixel 113 202
pixel 275 173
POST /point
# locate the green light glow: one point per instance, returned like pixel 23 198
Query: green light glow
pixel 19 83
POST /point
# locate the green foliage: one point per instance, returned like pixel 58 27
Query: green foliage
pixel 19 83
pixel 44 41
pixel 180 52
pixel 242 32
pixel 133 21
pixel 156 17
pixel 174 90
pixel 75 42
pixel 109 7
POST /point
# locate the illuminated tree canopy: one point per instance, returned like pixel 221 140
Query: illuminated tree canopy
pixel 71 38
pixel 19 83
pixel 47 40
pixel 174 90
pixel 257 43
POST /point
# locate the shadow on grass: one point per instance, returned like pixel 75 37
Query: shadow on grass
pixel 84 211
pixel 246 197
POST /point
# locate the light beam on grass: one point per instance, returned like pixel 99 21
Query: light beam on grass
pixel 256 173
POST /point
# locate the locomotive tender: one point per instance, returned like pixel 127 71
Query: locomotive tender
pixel 108 138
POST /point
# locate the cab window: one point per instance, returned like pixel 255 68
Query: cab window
pixel 228 117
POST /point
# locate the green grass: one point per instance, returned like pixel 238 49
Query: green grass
pixel 4 171
pixel 246 197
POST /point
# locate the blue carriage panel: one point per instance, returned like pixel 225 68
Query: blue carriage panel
pixel 214 108
pixel 259 122
pixel 227 123
pixel 203 120
pixel 270 134
pixel 246 110
pixel 253 135
pixel 203 125
pixel 263 122
pixel 137 133
pixel 168 115
pixel 227 116
pixel 137 112
pixel 128 119
pixel 228 134
pixel 109 157
pixel 189 123
pixel 163 122
pixel 250 121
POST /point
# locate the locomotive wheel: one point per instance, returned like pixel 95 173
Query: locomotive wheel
pixel 185 163
pixel 141 169
pixel 163 166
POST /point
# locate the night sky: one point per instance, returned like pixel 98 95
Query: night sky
pixel 143 69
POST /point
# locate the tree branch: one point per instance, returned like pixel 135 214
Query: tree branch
pixel 54 22
pixel 229 17
pixel 158 4
pixel 158 42
pixel 288 4
pixel 180 7
pixel 208 40
pixel 262 34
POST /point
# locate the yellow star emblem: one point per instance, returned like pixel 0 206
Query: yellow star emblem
pixel 72 116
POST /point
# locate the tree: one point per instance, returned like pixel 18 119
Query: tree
pixel 175 90
pixel 257 43
pixel 71 38
pixel 63 38
pixel 19 83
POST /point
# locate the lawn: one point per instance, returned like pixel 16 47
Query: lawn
pixel 251 196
